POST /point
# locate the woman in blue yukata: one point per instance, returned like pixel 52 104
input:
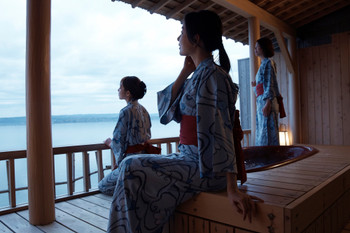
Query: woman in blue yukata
pixel 266 90
pixel 133 128
pixel 149 187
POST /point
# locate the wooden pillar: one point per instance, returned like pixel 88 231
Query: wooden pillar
pixel 294 96
pixel 41 196
pixel 254 34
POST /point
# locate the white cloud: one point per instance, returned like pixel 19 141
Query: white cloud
pixel 93 45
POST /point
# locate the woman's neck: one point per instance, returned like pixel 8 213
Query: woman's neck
pixel 199 56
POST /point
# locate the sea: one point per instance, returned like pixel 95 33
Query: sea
pixel 67 130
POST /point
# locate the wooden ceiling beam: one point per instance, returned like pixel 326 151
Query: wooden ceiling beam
pixel 323 11
pixel 179 8
pixel 249 9
pixel 285 53
pixel 157 6
pixel 136 3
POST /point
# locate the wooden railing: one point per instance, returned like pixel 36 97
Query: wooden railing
pixel 168 145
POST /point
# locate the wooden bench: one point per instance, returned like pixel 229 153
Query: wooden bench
pixel 311 195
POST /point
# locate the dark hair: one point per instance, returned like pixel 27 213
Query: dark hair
pixel 266 46
pixel 136 87
pixel 208 26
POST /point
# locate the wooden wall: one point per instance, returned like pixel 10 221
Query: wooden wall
pixel 325 92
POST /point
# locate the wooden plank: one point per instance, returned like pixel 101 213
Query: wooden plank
pixel 317 94
pixel 335 95
pixel 292 180
pixel 278 184
pixel 345 84
pixel 52 227
pixel 93 208
pixel 18 224
pixel 103 196
pixel 74 223
pixel 180 223
pixel 11 181
pixel 315 177
pixel 311 205
pixel 79 213
pixel 300 170
pixel 86 171
pixel 310 98
pixel 324 76
pixel 303 96
pixel 69 164
pixel 99 165
pixel 216 207
pixel 220 228
pixel 272 190
pixel 198 225
pixel 4 228
pixel 98 201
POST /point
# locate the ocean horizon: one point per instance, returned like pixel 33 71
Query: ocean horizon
pixel 67 130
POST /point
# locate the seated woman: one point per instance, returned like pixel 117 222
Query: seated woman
pixel 148 188
pixel 133 128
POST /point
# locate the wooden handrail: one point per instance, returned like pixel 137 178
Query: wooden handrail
pixel 69 151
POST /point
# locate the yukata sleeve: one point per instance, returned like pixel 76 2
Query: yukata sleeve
pixel 269 81
pixel 119 141
pixel 214 128
pixel 168 111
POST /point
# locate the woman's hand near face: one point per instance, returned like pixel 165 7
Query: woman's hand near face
pixel 187 69
pixel 189 66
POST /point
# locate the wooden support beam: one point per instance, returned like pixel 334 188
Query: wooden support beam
pixel 282 44
pixel 41 197
pixel 249 9
pixel 254 34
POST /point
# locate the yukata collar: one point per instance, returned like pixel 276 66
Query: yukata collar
pixel 205 62
pixel 132 102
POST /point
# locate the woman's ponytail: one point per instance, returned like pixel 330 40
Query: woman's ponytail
pixel 224 59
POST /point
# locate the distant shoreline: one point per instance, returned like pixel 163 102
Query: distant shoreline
pixel 62 119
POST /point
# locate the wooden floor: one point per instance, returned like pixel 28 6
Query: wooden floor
pixel 87 214
pixel 90 214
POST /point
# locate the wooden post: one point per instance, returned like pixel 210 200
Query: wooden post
pixel 293 98
pixel 41 198
pixel 254 34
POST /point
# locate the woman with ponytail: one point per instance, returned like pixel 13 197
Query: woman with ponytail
pixel 149 187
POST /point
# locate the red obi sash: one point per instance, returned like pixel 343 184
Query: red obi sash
pixel 259 89
pixel 188 130
pixel 145 147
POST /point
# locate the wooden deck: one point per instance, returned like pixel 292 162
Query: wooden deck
pixel 311 195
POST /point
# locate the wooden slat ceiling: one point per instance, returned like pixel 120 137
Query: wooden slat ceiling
pixel 295 13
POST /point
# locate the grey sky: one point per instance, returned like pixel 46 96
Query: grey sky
pixel 93 45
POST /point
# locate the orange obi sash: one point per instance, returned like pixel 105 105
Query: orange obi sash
pixel 145 148
pixel 259 89
pixel 188 130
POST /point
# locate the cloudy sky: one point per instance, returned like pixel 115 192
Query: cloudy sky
pixel 93 45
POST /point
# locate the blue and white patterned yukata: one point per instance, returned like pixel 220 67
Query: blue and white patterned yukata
pixel 267 127
pixel 133 127
pixel 149 187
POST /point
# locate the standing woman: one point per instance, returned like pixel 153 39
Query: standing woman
pixel 149 187
pixel 266 90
